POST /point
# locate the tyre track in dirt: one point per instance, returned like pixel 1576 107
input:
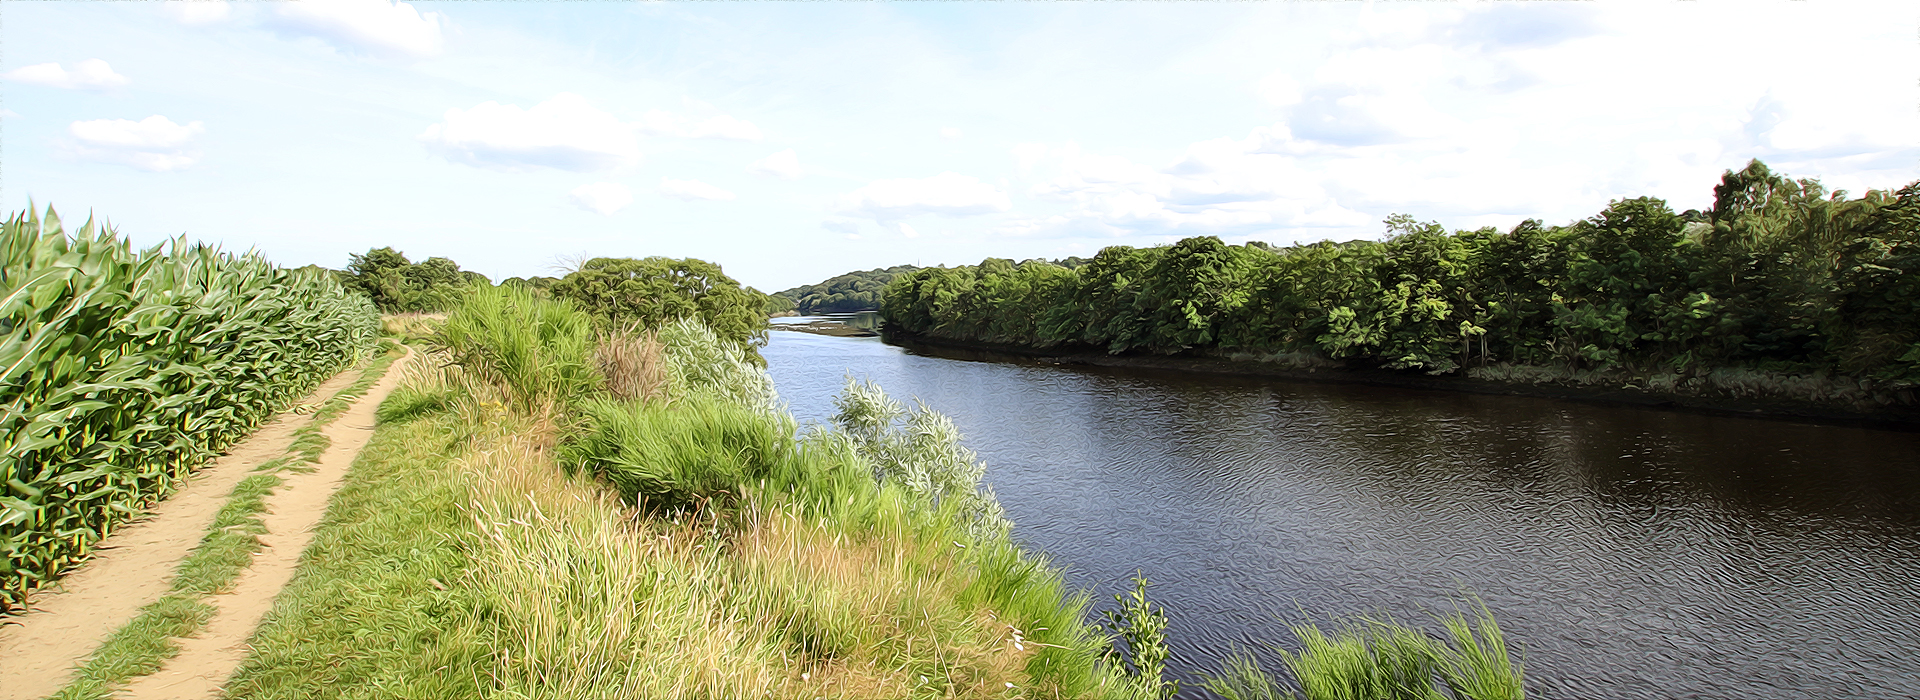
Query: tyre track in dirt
pixel 294 510
pixel 135 565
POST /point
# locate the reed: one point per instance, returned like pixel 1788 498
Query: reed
pixel 1364 658
pixel 634 364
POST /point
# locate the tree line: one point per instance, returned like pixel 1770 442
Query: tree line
pixel 618 293
pixel 853 291
pixel 1780 274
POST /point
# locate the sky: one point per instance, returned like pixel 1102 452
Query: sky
pixel 791 142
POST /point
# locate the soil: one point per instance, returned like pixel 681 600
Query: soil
pixel 135 565
pixel 833 328
pixel 207 660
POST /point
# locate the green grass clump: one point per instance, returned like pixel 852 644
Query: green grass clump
pixel 1382 659
pixel 672 456
pixel 539 348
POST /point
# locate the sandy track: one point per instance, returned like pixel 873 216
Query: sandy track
pixel 134 566
pixel 294 509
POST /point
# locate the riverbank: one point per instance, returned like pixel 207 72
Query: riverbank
pixel 1735 392
pixel 824 327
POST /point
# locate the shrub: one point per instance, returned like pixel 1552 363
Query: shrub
pixel 538 348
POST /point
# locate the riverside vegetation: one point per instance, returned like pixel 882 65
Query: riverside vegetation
pixel 125 370
pixel 1781 290
pixel 565 508
pixel 568 504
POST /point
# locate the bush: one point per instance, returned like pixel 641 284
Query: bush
pixel 698 449
pixel 654 292
pixel 538 348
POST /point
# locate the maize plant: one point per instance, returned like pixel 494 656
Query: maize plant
pixel 124 370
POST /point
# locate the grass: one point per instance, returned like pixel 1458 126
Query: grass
pixel 143 644
pixel 691 547
pixel 411 326
pixel 376 609
pixel 1365 658
pixel 461 560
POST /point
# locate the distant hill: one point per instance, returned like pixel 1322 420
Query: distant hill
pixel 854 291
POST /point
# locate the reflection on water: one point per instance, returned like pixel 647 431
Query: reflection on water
pixel 1629 553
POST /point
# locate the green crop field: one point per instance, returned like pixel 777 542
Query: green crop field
pixel 124 370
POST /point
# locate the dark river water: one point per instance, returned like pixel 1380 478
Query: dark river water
pixel 1627 552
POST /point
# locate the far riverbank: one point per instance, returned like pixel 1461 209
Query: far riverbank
pixel 1831 400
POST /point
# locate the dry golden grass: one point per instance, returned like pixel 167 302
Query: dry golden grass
pixel 591 598
pixel 874 617
pixel 634 364
pixel 593 601
pixel 411 325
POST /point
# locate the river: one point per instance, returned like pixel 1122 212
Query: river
pixel 1627 552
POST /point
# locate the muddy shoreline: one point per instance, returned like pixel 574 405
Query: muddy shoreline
pixel 833 328
pixel 1903 418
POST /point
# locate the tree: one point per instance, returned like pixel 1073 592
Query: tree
pixel 397 285
pixel 655 291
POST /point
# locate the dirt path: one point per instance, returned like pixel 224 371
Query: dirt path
pixel 135 565
pixel 294 509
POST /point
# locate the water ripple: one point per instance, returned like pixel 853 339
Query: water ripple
pixel 1629 553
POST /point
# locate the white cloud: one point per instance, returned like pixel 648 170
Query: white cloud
pixel 1280 89
pixel 197 11
pixel 91 74
pixel 785 164
pixel 691 190
pixel 1224 187
pixel 564 133
pixel 701 121
pixel 951 134
pixel 951 194
pixel 908 231
pixel 8 114
pixel 382 27
pixel 155 143
pixel 603 198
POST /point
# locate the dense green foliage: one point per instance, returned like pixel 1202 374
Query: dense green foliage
pixel 537 347
pixel 538 284
pixel 398 286
pixel 1780 275
pixel 883 482
pixel 125 370
pixel 653 292
pixel 854 291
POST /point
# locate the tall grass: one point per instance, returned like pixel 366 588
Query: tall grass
pixel 702 549
pixel 539 348
pixel 693 451
pixel 1364 658
pixel 634 364
pixel 123 370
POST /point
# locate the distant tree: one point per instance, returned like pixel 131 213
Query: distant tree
pixel 848 293
pixel 398 285
pixel 652 292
